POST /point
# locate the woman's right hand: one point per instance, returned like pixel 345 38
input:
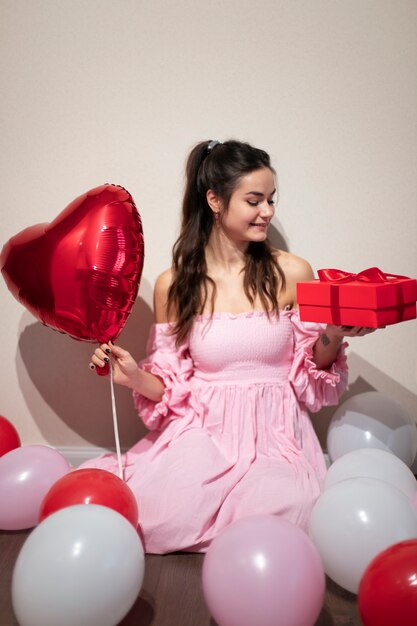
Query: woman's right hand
pixel 125 369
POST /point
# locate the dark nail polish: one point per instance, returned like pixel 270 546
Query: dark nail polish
pixel 106 359
pixel 108 351
pixel 91 366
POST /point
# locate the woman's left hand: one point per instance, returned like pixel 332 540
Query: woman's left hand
pixel 330 340
pixel 348 331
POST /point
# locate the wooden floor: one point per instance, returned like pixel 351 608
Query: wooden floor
pixel 171 594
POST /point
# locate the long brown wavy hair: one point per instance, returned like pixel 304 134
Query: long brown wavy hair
pixel 219 169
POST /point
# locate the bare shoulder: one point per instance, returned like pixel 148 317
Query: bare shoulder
pixel 295 268
pixel 160 296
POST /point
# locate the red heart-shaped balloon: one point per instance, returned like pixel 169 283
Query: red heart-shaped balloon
pixel 80 274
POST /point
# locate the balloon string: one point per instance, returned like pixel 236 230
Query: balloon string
pixel 115 425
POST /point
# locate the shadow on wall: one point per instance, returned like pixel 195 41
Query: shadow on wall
pixel 363 376
pixel 276 237
pixel 57 366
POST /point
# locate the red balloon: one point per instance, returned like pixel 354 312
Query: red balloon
pixel 80 274
pixel 90 486
pixel 9 439
pixel 387 593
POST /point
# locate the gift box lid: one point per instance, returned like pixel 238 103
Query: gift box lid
pixel 371 289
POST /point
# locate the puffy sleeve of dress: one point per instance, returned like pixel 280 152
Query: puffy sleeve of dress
pixel 175 367
pixel 313 386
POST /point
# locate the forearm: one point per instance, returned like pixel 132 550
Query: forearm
pixel 147 384
pixel 326 348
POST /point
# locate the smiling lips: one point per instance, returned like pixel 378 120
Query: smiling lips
pixel 260 224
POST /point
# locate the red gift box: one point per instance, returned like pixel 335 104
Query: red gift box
pixel 370 298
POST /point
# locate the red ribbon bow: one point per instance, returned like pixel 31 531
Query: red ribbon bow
pixel 370 275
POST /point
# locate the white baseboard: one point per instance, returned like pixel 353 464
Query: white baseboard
pixel 76 455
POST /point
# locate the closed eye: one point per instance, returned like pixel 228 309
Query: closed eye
pixel 261 196
pixel 256 202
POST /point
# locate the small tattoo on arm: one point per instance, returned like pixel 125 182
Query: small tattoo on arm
pixel 325 340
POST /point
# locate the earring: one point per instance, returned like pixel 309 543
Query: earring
pixel 217 218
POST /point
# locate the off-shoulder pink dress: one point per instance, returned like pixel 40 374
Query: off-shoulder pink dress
pixel 231 436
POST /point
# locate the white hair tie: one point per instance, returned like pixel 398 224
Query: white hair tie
pixel 212 144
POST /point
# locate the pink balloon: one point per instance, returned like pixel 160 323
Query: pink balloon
pixel 263 570
pixel 26 475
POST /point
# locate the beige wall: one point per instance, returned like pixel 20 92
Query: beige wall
pixel 98 91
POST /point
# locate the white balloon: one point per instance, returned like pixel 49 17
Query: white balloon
pixel 355 520
pixel 372 420
pixel 82 566
pixel 373 463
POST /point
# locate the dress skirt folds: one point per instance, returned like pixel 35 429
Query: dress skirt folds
pixel 232 434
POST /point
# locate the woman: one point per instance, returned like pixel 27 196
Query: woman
pixel 231 370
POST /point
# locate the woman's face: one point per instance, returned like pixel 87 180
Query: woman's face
pixel 251 207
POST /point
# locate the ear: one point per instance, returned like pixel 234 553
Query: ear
pixel 213 201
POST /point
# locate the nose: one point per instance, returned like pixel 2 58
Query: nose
pixel 267 210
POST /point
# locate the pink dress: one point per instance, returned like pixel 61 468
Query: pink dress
pixel 231 436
